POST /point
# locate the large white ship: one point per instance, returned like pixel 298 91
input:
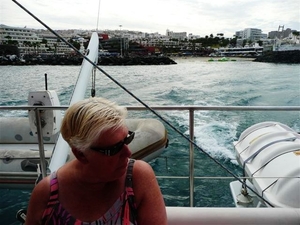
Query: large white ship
pixel 241 51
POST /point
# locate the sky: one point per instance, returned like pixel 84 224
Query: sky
pixel 199 17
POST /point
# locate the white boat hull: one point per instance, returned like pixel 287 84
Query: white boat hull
pixel 19 149
pixel 269 154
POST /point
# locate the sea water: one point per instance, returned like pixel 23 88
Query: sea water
pixel 192 81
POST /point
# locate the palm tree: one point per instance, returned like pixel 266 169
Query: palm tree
pixel 9 41
pixel 26 44
pixel 36 46
pixel 44 42
pixel 56 45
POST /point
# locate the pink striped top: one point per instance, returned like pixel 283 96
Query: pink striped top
pixel 122 212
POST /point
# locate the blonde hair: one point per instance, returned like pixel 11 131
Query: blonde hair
pixel 85 121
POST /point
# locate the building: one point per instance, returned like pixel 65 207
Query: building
pixel 54 44
pixel 30 41
pixel 252 34
pixel 26 39
pixel 239 34
pixel 280 34
pixel 176 35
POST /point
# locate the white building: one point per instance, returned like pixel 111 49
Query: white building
pixel 176 35
pixel 32 41
pixel 253 34
pixel 26 39
pixel 54 44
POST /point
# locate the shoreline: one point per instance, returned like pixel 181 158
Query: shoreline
pixel 287 57
pixel 77 60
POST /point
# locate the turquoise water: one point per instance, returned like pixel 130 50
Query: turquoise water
pixel 193 81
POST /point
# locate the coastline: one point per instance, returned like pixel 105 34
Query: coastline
pixel 77 60
pixel 290 57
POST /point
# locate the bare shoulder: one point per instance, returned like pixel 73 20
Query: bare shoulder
pixel 148 196
pixel 143 176
pixel 143 172
pixel 38 201
pixel 142 168
pixel 42 189
pixel 144 180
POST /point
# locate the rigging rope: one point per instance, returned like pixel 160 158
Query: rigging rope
pixel 93 90
pixel 144 104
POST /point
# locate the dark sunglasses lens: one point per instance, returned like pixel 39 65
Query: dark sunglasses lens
pixel 113 152
pixel 118 147
pixel 129 138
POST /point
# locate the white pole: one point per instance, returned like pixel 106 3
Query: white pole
pixel 62 149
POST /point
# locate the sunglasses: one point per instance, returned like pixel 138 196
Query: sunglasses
pixel 112 150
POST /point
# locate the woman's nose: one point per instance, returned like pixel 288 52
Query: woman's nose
pixel 126 151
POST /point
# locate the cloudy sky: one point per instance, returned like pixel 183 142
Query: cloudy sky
pixel 200 17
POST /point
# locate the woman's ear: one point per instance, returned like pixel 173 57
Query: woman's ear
pixel 80 156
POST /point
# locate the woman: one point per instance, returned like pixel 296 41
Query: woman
pixel 101 185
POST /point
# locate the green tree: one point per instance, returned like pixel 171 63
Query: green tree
pixel 233 41
pixel 76 44
pixel 9 41
pixel 36 46
pixel 44 41
pixel 296 33
pixel 260 43
pixel 56 45
pixel 26 45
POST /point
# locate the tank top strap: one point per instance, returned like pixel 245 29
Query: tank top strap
pixel 128 182
pixel 53 184
pixel 53 200
pixel 129 208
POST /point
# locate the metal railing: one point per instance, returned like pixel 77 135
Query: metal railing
pixel 190 108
